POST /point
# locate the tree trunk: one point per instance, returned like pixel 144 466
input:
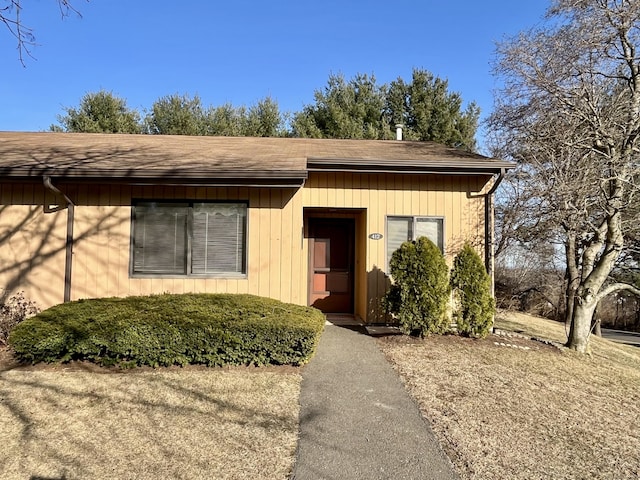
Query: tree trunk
pixel 598 259
pixel 573 279
pixel 571 300
pixel 597 329
pixel 597 321
pixel 581 325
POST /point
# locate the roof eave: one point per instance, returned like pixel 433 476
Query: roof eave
pixel 416 167
pixel 246 178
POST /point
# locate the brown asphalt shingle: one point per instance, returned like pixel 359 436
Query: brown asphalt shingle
pixel 79 155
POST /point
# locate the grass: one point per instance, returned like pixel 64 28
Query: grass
pixel 195 422
pixel 600 349
pixel 78 420
pixel 524 409
pixel 521 410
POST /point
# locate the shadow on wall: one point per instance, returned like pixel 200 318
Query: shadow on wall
pixel 33 247
pixel 377 285
pixel 457 244
pixel 29 239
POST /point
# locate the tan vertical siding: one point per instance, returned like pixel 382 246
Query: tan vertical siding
pixel 254 228
pixel 298 253
pixel 362 274
pixel 395 194
pixel 274 265
pixel 264 247
pixel 33 252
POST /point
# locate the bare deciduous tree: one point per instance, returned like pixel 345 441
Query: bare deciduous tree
pixel 11 17
pixel 569 113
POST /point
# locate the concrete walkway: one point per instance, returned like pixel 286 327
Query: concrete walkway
pixel 356 419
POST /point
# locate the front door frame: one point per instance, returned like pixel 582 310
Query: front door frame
pixel 345 226
pixel 358 280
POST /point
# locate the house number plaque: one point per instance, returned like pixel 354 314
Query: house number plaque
pixel 375 236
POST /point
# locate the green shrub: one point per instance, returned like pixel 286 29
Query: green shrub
pixel 474 306
pixel 419 294
pixel 161 330
pixel 13 310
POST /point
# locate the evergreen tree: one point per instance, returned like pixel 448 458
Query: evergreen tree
pixel 225 120
pixel 474 306
pixel 183 115
pixel 419 294
pixel 344 109
pixel 360 108
pixel 263 119
pixel 429 112
pixel 99 112
pixel 177 115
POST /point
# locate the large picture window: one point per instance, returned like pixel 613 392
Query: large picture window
pixel 402 229
pixel 189 238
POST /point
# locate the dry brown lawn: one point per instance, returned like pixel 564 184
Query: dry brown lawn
pixel 189 423
pixel 503 407
pixel 506 407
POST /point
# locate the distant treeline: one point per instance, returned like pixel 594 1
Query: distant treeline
pixel 356 108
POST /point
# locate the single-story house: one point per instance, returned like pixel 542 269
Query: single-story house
pixel 306 221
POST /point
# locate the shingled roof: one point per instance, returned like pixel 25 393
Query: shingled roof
pixel 147 159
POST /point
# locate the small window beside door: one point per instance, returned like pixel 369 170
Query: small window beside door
pixel 404 228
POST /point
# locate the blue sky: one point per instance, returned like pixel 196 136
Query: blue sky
pixel 240 51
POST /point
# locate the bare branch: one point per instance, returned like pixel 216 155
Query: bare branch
pixel 11 17
pixel 616 287
pixel 569 114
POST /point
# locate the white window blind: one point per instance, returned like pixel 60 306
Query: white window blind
pixel 399 230
pixel 218 238
pixel 430 228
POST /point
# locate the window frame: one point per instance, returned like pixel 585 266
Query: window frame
pixel 189 204
pixel 414 219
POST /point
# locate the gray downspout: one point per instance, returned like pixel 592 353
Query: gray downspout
pixel 489 229
pixel 68 262
pixel 488 226
pixel 488 239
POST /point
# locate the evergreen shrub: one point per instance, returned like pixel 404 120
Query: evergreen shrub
pixel 162 330
pixel 419 295
pixel 474 307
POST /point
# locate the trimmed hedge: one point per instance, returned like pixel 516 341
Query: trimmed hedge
pixel 163 330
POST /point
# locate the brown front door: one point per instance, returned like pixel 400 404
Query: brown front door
pixel 331 246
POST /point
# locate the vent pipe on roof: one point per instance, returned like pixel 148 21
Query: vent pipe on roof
pixel 399 127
